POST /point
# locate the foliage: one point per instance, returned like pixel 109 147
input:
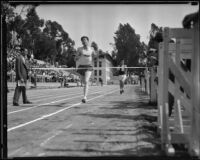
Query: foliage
pixel 95 46
pixel 51 44
pixel 155 39
pixel 128 45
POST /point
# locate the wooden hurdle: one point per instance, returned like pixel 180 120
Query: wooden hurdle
pixel 147 81
pixel 153 85
pixel 183 126
pixel 195 94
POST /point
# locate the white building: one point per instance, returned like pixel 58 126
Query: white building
pixel 104 72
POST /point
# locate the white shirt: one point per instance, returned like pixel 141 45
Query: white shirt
pixel 85 55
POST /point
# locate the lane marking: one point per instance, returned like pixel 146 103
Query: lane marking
pixel 39 94
pixel 49 97
pixel 47 103
pixel 44 98
pixel 9 105
pixel 14 152
pixel 48 139
pixel 35 95
pixel 54 135
pixel 27 154
pixel 41 154
pixel 51 114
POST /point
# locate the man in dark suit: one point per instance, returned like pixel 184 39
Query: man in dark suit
pixel 21 78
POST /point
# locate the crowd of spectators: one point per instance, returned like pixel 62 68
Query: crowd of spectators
pixel 36 75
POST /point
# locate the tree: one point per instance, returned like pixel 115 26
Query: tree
pixel 31 29
pixel 95 46
pixel 127 44
pixel 56 33
pixel 45 48
pixel 8 16
pixel 52 43
pixel 155 39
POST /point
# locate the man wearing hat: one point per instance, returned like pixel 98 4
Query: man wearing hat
pixel 21 71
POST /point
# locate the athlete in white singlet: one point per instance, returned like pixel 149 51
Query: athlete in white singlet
pixel 122 76
pixel 84 58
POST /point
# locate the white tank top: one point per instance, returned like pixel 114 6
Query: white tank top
pixel 85 56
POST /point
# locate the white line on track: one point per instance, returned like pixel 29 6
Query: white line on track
pixel 38 91
pixel 47 103
pixel 50 97
pixel 14 152
pixel 53 96
pixel 27 154
pixel 36 96
pixel 41 154
pixel 48 139
pixel 51 114
pixel 54 135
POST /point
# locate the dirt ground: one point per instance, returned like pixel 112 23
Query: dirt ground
pixel 107 125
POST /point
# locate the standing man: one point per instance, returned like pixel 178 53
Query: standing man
pixel 21 78
pixel 85 55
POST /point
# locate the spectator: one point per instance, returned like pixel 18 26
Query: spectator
pixel 21 78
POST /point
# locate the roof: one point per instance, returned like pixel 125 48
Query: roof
pixel 193 17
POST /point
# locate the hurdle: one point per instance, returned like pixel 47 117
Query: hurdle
pixel 182 127
pixel 153 85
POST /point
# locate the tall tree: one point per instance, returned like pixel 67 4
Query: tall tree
pixel 95 46
pixel 128 45
pixel 45 48
pixel 31 29
pixel 155 38
pixel 57 34
pixel 8 15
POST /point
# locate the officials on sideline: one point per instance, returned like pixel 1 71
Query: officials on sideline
pixel 21 71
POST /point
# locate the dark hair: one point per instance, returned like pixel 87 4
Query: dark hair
pixel 22 49
pixel 84 37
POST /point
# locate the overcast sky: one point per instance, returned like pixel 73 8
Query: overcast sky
pixel 100 21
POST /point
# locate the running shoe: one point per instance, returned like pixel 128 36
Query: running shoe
pixel 84 100
pixel 121 91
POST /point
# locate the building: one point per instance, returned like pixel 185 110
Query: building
pixel 103 72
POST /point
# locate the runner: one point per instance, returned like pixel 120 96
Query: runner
pixel 122 76
pixel 85 55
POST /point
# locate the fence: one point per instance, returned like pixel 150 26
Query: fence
pixel 178 75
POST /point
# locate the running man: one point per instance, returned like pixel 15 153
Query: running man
pixel 85 55
pixel 122 76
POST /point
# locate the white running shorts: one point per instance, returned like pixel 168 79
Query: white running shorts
pixel 122 77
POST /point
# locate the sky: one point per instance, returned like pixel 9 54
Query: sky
pixel 99 22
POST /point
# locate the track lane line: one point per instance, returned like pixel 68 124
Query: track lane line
pixel 54 135
pixel 51 114
pixel 49 97
pixel 47 103
pixel 14 152
pixel 42 94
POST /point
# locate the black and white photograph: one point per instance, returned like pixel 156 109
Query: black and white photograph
pixel 100 79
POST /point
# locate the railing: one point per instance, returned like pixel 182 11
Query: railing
pixel 181 126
